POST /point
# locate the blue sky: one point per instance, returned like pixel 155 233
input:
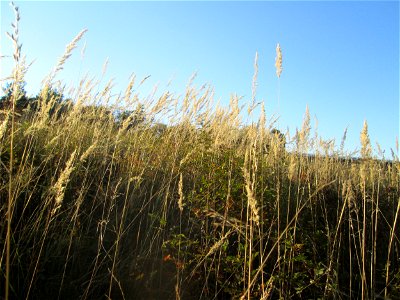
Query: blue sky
pixel 340 58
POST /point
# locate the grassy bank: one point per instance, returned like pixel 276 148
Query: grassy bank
pixel 103 201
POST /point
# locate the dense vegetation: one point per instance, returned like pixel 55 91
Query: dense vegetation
pixel 102 201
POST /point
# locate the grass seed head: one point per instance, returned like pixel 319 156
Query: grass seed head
pixel 250 191
pixel 292 168
pixel 365 142
pixel 59 187
pixel 278 61
pixel 68 51
pixel 4 126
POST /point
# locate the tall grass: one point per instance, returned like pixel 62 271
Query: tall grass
pixel 101 201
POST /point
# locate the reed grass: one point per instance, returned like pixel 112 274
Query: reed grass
pixel 100 200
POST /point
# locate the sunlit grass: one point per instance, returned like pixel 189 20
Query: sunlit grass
pixel 101 200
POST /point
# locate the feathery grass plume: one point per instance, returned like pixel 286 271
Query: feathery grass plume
pixel 305 130
pixel 394 156
pixel 261 126
pixel 252 202
pixel 365 142
pixel 277 140
pixel 4 125
pixel 188 94
pixel 262 120
pixel 212 250
pixel 53 141
pixel 88 151
pixel 381 152
pixel 393 174
pixel 48 101
pixel 105 95
pixel 218 244
pixel 20 67
pixel 59 187
pixel 187 157
pixel 292 168
pixel 348 194
pixel 200 102
pixel 278 61
pixel 128 90
pixel 343 140
pixel 234 115
pixel 14 36
pixel 254 85
pixel 180 192
pixel 162 104
pixel 68 51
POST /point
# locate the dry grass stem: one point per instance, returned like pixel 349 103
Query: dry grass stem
pixel 180 192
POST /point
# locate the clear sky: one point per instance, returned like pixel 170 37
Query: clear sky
pixel 340 58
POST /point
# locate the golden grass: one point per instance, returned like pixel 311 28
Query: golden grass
pixel 104 202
